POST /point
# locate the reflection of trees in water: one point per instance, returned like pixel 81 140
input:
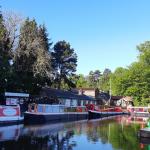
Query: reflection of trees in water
pixel 118 135
pixel 114 131
pixel 48 142
pixel 97 130
pixel 25 143
pixel 61 143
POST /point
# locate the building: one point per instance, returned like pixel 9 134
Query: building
pixel 87 91
pixel 103 98
pixel 67 98
pixel 122 101
pixel 115 99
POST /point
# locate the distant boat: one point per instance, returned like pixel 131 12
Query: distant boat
pixel 94 114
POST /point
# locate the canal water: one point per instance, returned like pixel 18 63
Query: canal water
pixel 112 133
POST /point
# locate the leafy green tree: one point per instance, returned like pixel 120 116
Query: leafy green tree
pixel 64 63
pixel 104 83
pixel 81 82
pixel 119 81
pixel 135 80
pixel 42 66
pixel 144 50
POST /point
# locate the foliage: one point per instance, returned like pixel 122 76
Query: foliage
pixel 81 81
pixel 36 64
pixel 93 78
pixel 104 83
pixel 5 55
pixel 32 58
pixel 25 57
pixel 135 80
pixel 64 62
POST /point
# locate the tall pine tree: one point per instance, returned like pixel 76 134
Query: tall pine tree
pixel 5 56
pixel 32 58
pixel 64 62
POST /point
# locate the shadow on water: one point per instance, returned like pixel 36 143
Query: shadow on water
pixel 113 133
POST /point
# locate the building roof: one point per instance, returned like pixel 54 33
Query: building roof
pixel 55 93
pixel 86 89
pixel 116 97
pixel 128 98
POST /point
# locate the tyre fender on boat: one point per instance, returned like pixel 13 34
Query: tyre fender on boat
pixel 29 108
pixel 91 107
pixel 35 107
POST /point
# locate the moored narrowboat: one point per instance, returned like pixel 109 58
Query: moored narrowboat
pixel 94 114
pixel 44 113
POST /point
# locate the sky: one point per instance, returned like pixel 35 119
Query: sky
pixel 103 33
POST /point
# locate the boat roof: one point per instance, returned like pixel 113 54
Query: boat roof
pixel 11 94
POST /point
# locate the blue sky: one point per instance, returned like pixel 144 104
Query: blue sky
pixel 104 33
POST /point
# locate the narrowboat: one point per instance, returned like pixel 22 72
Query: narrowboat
pixel 44 113
pixel 94 114
pixel 139 111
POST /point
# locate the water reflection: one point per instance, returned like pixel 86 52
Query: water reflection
pixel 114 133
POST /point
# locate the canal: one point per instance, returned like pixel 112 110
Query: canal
pixel 114 133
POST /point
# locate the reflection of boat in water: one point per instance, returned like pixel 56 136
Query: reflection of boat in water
pixel 137 120
pixel 139 111
pixel 45 113
pixel 10 132
pixel 49 136
pixel 43 130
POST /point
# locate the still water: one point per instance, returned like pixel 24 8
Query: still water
pixel 114 133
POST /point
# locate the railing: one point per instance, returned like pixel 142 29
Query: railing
pixel 76 109
pixel 104 108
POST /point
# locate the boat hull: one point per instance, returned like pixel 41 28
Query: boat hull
pixel 40 118
pixel 10 120
pixel 96 114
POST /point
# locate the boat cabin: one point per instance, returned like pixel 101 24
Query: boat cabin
pixel 15 98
